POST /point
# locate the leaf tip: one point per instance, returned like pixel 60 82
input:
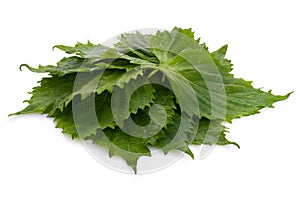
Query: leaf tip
pixel 15 114
pixel 236 144
pixel 54 47
pixel 28 67
pixel 288 94
pixel 135 170
pixel 23 65
pixel 190 153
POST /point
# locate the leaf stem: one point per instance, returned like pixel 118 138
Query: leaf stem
pixel 152 73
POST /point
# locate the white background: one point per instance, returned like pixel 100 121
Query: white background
pixel 38 162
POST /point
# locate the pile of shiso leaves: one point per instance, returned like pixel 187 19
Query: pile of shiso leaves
pixel 163 90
